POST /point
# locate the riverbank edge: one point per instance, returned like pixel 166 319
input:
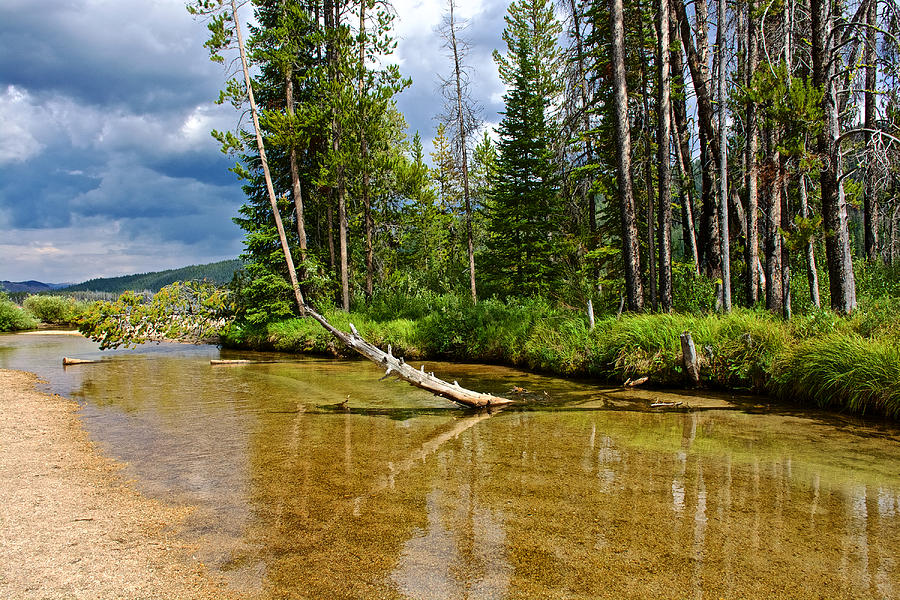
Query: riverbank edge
pixel 824 360
pixel 73 527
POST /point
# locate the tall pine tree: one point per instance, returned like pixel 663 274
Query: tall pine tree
pixel 524 209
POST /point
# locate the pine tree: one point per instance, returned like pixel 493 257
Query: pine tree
pixel 524 213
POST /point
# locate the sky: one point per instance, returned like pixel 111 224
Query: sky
pixel 107 167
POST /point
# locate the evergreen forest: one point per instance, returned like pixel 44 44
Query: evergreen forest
pixel 657 163
pixel 648 154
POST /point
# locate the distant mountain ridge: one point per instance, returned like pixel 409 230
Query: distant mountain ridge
pixel 31 287
pixel 219 272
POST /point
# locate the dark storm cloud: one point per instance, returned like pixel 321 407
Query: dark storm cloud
pixel 106 163
pixel 105 155
pixel 147 56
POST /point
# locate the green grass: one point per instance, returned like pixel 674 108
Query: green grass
pixel 844 371
pixel 818 358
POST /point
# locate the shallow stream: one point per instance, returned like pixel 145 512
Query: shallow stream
pixel 312 479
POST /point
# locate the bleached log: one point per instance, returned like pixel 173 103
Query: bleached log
pixel 77 361
pixel 418 378
pixel 236 362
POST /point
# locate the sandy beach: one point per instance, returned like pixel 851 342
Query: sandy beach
pixel 70 525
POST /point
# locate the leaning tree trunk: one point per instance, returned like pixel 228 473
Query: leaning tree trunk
pixel 683 156
pixel 630 252
pixel 273 201
pixel 698 61
pixel 421 379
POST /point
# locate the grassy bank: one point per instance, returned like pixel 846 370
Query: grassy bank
pixel 819 359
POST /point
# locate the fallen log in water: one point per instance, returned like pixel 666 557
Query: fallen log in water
pixel 239 362
pixel 629 383
pixel 399 368
pixel 77 361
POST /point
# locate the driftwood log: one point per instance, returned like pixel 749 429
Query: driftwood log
pixel 77 361
pixel 401 369
pixel 232 361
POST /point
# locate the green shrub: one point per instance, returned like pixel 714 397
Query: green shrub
pixel 12 317
pixel 55 310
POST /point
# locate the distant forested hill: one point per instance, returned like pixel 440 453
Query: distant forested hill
pixel 219 272
pixel 31 287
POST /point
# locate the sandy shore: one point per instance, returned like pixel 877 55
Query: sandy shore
pixel 70 526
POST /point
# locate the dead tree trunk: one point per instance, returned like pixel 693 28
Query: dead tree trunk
pixel 752 148
pixel 648 183
pixel 683 157
pixel 870 200
pixel 723 164
pixel 812 273
pixel 585 117
pixel 834 206
pixel 690 359
pixel 295 172
pixel 417 377
pixel 463 151
pixel 298 295
pixel 364 156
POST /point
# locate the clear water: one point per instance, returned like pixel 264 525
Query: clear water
pixel 314 480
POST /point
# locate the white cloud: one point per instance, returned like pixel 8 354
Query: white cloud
pixel 17 143
pixel 95 247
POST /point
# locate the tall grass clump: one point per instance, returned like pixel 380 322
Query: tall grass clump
pixel 55 310
pixel 843 371
pixel 13 317
pixel 639 345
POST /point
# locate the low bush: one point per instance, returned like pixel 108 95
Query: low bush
pixel 13 317
pixel 55 310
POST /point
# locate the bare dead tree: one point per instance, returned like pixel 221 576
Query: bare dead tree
pixel 462 118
